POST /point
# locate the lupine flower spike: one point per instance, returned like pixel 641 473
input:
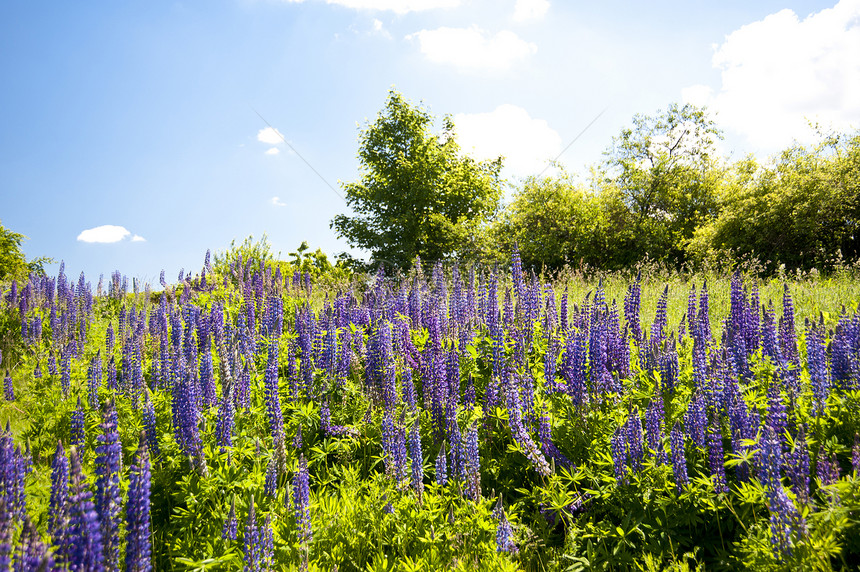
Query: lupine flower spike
pixel 504 532
pixel 138 542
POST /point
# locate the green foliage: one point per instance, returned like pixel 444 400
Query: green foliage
pixel 257 254
pixel 557 222
pixel 578 518
pixel 663 166
pixel 13 262
pixel 418 195
pixel 802 211
pixel 662 195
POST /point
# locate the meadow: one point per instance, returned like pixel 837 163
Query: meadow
pixel 254 417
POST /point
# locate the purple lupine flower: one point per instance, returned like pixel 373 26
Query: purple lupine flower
pixel 695 420
pixel 453 375
pixel 517 273
pixel 787 334
pixel 504 532
pixel 786 524
pixel 243 388
pixel 137 520
pixel 110 339
pixel 185 421
pixel 472 463
pixel 654 418
pixel 302 501
pixel 770 345
pixel 777 416
pixel 231 524
pixel 563 312
pixel 553 348
pixel 679 461
pixel 34 555
pixel 149 422
pixel 416 458
pixel 669 366
pixel 297 438
pixel 78 437
pixel 271 485
pixel 660 319
pixel 827 467
pixel 385 362
pixel 112 374
pixel 574 369
pixel 785 520
pixel 226 421
pixel 546 443
pixel 442 467
pixel 58 513
pixel 108 498
pixel 716 457
pixel 326 424
pixel 207 375
pixel 635 442
pixel 400 452
pixel 469 398
pixel 7 528
pixel 408 389
pixel 797 466
pixel 855 454
pixel 695 330
pixel 550 316
pixel 520 435
pixel 268 543
pixel 456 454
pixel 816 359
pixel 703 318
pixel 85 540
pixel 94 379
pixel 743 426
pixel 52 364
pixel 273 401
pixel 252 541
pixel 66 371
pixel 8 389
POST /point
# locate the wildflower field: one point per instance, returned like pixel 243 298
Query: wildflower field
pixel 249 417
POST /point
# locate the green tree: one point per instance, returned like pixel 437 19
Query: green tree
pixel 13 262
pixel 665 171
pixel 802 210
pixel 556 221
pixel 418 195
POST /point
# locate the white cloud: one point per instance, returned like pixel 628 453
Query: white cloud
pixel 104 234
pixel 269 135
pixel 527 144
pixel 273 151
pixel 396 6
pixel 276 201
pixel 137 238
pixel 473 48
pixel 379 29
pixel 781 71
pixel 530 10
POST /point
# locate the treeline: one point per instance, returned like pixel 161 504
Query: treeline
pixel 662 193
pixel 801 210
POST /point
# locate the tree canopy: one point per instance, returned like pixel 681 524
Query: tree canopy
pixel 13 262
pixel 802 210
pixel 664 168
pixel 418 194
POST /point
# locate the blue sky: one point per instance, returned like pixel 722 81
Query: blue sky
pixel 130 138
